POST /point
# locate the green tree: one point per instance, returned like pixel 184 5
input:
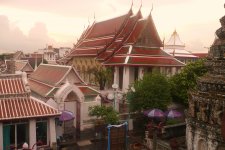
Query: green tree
pixel 186 80
pixel 107 114
pixel 102 76
pixel 153 91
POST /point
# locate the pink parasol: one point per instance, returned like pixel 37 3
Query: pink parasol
pixel 155 113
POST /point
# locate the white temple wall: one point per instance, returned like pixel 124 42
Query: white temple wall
pixel 85 116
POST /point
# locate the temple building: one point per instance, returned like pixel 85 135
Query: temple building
pixel 24 118
pixel 205 128
pixel 129 44
pixel 61 87
pixel 176 48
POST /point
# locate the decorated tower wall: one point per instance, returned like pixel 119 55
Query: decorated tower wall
pixel 206 113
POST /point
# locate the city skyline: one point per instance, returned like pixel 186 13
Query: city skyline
pixel 30 25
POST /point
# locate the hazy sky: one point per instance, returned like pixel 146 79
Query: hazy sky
pixel 31 24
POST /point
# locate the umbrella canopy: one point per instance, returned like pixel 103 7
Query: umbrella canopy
pixel 66 116
pixel 146 112
pixel 173 114
pixel 155 113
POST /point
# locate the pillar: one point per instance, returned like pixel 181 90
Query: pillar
pixel 140 72
pixel 52 131
pixel 173 71
pixel 32 133
pixel 126 78
pixel 81 115
pixel 116 75
pixel 1 135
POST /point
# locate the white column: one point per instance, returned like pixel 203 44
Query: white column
pixel 116 75
pixel 32 133
pixel 173 70
pixel 1 135
pixel 126 78
pixel 140 72
pixel 52 131
pixel 81 115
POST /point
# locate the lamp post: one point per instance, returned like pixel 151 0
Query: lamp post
pixel 115 87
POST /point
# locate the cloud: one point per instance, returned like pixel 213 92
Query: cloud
pixel 12 38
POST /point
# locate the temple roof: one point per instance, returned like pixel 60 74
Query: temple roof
pixel 23 108
pixel 53 74
pixel 141 56
pixel 47 79
pixel 12 85
pixel 21 64
pixel 174 41
pixel 15 100
pixel 176 47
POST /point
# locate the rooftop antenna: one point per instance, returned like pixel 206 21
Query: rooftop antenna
pixel 88 21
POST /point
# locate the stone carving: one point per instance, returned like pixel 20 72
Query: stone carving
pixel 192 108
pixel 203 112
pixel 207 103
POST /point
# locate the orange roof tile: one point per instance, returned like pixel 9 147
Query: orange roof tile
pixel 49 74
pixel 12 84
pixel 24 107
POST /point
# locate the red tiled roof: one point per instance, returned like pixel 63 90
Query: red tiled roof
pixel 136 31
pixel 148 51
pixel 20 65
pixel 87 91
pixel 90 52
pixel 201 55
pixel 155 61
pixel 96 42
pixel 108 27
pixel 49 74
pixel 143 60
pixel 24 107
pixel 39 88
pixel 12 84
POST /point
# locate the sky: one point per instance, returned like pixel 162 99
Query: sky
pixel 30 25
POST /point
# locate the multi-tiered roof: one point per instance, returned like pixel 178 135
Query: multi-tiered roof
pixel 129 39
pixel 176 47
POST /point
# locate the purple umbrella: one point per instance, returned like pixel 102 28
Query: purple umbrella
pixel 66 116
pixel 173 114
pixel 155 113
pixel 146 112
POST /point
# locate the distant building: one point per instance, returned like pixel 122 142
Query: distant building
pixel 206 114
pixel 176 48
pixel 128 44
pixel 23 66
pixel 49 54
pixel 22 117
pixel 62 88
